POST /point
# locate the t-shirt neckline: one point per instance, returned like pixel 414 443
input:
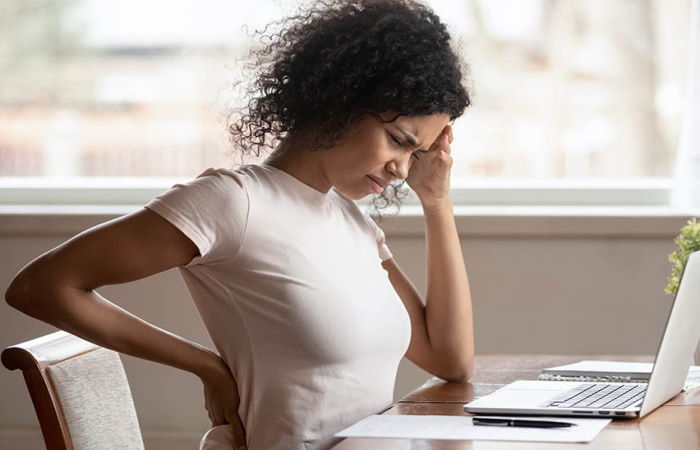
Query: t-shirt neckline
pixel 300 184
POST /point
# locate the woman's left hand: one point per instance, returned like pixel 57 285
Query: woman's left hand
pixel 429 176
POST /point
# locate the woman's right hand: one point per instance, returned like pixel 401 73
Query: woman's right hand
pixel 221 401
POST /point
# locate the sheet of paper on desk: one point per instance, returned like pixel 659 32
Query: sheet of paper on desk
pixel 461 428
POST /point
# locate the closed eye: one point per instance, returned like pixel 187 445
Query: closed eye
pixel 398 143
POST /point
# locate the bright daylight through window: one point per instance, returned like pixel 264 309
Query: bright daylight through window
pixel 562 89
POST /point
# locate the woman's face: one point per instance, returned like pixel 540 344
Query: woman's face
pixel 375 153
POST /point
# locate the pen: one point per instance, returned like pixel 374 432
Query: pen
pixel 498 422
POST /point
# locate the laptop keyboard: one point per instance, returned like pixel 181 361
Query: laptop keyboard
pixel 600 396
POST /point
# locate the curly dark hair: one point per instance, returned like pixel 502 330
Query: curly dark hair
pixel 334 62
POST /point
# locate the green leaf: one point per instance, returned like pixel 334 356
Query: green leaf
pixel 688 241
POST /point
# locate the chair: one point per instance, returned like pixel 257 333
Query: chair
pixel 80 393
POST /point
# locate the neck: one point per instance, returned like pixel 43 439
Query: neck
pixel 304 165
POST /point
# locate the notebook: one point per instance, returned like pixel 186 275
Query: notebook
pixel 612 371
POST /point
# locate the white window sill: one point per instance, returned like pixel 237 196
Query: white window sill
pixel 472 221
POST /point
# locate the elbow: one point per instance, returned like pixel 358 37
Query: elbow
pixel 27 301
pixel 459 373
pixel 22 304
pixel 16 294
pixel 21 293
pixel 460 376
pixel 20 296
pixel 454 366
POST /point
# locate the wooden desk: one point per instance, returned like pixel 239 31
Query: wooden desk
pixel 673 426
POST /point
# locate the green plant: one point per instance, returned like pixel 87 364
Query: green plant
pixel 688 242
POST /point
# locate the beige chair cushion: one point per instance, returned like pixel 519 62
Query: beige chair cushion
pixel 96 400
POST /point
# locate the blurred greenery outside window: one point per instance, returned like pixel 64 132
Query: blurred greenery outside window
pixel 564 91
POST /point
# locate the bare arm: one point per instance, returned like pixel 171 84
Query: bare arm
pixel 442 340
pixel 58 288
pixel 448 307
pixel 443 334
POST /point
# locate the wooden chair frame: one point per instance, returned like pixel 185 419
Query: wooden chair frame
pixel 33 358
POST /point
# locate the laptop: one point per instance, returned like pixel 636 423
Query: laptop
pixel 618 400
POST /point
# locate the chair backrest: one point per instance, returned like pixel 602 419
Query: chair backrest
pixel 80 393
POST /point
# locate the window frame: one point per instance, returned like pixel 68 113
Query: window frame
pixel 100 191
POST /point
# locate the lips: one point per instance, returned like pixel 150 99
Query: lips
pixel 375 185
pixel 379 181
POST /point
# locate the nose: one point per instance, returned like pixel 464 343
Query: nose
pixel 399 167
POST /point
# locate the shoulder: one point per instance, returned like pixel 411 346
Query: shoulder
pixel 229 181
pixel 211 195
pixel 221 175
pixel 253 177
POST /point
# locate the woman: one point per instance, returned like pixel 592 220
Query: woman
pixel 308 310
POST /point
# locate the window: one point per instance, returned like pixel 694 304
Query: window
pixel 572 89
pixel 97 88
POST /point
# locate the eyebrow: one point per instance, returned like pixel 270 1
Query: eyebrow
pixel 409 137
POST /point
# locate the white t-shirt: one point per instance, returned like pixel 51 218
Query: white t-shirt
pixel 290 286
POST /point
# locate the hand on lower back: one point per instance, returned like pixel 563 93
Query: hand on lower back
pixel 221 402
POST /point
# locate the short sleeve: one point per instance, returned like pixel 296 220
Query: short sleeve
pixel 382 247
pixel 212 210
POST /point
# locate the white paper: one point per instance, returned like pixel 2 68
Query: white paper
pixel 461 428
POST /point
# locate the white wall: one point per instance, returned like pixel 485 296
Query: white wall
pixel 561 285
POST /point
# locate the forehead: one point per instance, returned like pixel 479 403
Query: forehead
pixel 422 127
